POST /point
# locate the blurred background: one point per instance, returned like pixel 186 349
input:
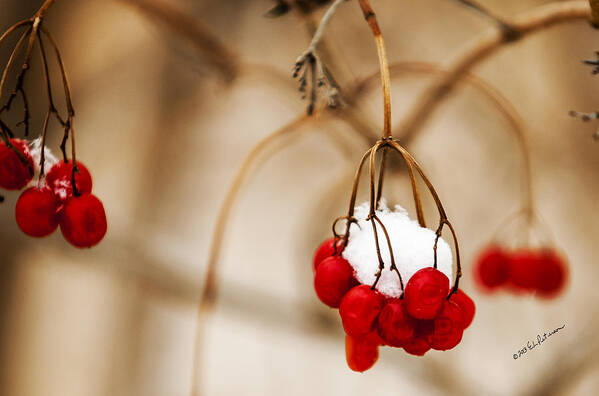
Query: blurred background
pixel 171 95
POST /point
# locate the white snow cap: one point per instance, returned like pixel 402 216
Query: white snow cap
pixel 36 153
pixel 412 248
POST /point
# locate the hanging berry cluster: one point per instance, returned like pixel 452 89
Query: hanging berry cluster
pixel 541 272
pixel 366 282
pixel 521 258
pixel 62 197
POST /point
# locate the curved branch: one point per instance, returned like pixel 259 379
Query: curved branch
pixel 502 104
pixel 209 289
pixel 481 48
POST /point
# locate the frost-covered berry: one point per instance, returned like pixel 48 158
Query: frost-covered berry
pixel 35 212
pixel 333 279
pixel 492 267
pixel 524 269
pixel 14 174
pixel 552 274
pixel 395 326
pixel 83 221
pixel 466 306
pixel 59 179
pixel 425 293
pixel 360 353
pixel 447 328
pixel 325 250
pixel 359 310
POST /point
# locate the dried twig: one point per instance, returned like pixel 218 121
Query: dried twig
pixel 506 27
pixel 311 70
pixel 586 117
pixel 481 48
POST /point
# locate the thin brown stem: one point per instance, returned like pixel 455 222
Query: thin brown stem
pixel 379 190
pixel 44 8
pixel 11 60
pixel 370 17
pixel 13 28
pixel 594 4
pixel 69 124
pixel 43 145
pixel 36 23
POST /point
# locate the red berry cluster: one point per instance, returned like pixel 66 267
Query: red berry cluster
pixel 41 209
pixel 423 319
pixel 540 271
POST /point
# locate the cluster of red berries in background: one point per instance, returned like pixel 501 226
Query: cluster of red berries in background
pixel 41 209
pixel 539 271
pixel 423 319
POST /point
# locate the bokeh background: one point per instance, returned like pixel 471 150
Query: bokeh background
pixel 165 118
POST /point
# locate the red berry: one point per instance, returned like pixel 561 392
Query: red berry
pixel 361 354
pixel 524 269
pixel 83 221
pixel 36 212
pixel 359 310
pixel 60 177
pixel 417 345
pixel 374 338
pixel 466 306
pixel 394 324
pixel 492 267
pixel 447 328
pixel 552 274
pixel 14 175
pixel 425 293
pixel 333 279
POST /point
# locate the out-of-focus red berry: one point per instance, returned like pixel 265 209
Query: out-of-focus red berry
pixel 447 328
pixel 83 221
pixel 359 310
pixel 524 267
pixel 395 326
pixel 35 212
pixel 14 174
pixel 492 267
pixel 60 176
pixel 425 293
pixel 552 274
pixel 361 354
pixel 333 279
pixel 466 306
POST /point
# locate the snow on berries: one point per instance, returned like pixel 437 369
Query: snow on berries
pixel 59 179
pixel 424 315
pixel 53 200
pixel 539 271
pixel 412 248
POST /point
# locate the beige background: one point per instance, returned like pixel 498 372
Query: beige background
pixel 163 136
